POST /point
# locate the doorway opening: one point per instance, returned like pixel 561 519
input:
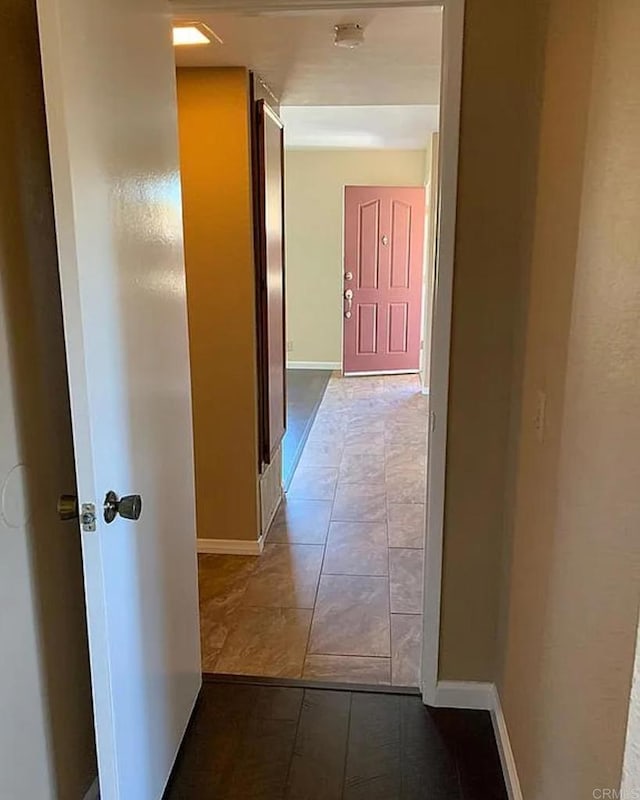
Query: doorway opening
pixel 333 588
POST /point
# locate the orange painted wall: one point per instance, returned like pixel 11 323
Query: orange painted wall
pixel 216 185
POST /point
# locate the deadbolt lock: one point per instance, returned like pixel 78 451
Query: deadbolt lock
pixel 67 507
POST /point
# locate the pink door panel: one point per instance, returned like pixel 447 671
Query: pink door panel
pixel 383 251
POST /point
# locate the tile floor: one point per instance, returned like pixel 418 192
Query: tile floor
pixel 257 742
pixel 337 592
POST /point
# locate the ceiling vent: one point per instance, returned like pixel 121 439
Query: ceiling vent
pixel 349 35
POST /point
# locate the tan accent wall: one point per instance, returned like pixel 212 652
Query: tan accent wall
pixel 314 205
pixel 216 192
pixel 47 746
pixel 574 583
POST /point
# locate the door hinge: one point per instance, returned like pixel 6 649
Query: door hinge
pixel 433 421
pixel 422 344
pixel 88 517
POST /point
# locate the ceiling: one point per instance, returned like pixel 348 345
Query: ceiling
pixel 360 127
pixel 293 52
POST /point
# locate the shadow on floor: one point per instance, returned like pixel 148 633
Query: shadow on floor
pixel 305 389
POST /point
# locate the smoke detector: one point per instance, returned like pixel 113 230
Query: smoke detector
pixel 349 35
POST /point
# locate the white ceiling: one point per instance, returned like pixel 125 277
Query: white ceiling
pixel 361 127
pixel 293 51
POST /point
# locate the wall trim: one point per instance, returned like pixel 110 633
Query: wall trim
pixel 485 697
pixel 314 365
pixel 273 513
pixel 465 694
pixel 382 372
pixel 93 792
pixel 504 749
pixel 231 547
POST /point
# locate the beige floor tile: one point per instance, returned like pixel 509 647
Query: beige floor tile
pixel 348 669
pixel 266 641
pixel 209 659
pixel 356 548
pixel 322 454
pixel 222 582
pixel 362 469
pixel 351 617
pixel 301 522
pixel 366 422
pixel 406 524
pixel 359 502
pixel 360 436
pixel 286 577
pixel 223 577
pixel 406 485
pixel 411 457
pixel 405 576
pixel 367 449
pixel 331 423
pixel 406 433
pixel 406 647
pixel 314 483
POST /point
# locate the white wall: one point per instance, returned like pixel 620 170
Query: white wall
pixel 313 211
pixel 46 726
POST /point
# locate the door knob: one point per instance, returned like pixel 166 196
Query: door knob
pixel 348 276
pixel 67 506
pixel 348 296
pixel 129 507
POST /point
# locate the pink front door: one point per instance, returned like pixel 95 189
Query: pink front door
pixel 383 269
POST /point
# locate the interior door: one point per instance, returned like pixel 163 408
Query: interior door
pixel 110 95
pixel 383 269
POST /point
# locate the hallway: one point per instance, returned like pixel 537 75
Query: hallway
pixel 337 592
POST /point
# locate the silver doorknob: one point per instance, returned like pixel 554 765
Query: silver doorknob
pixel 129 507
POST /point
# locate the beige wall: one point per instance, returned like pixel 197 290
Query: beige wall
pixel 498 145
pixel 213 116
pixel 314 226
pixel 46 725
pixel 575 570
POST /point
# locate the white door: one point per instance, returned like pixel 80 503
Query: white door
pixel 111 114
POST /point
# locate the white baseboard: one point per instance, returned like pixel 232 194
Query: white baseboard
pixel 464 694
pixel 484 697
pixel 274 511
pixel 381 372
pixel 231 547
pixel 504 749
pixel 314 365
pixel 425 390
pixel 93 792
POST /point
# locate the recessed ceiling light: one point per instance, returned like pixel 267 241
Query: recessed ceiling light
pixel 349 35
pixel 189 33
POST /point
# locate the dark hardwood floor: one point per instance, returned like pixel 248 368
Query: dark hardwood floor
pixel 267 742
pixel 305 389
